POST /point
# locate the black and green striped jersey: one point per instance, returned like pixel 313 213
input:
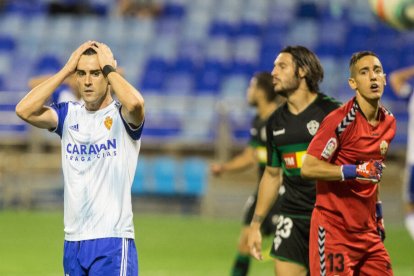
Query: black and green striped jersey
pixel 258 142
pixel 288 137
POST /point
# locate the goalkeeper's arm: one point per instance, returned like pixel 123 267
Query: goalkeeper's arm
pixel 316 169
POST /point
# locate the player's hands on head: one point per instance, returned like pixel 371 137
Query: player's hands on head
pixel 254 242
pixel 73 60
pixel 105 55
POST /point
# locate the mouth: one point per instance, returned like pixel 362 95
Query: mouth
pixel 374 87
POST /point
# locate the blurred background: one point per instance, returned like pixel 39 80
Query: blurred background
pixel 192 61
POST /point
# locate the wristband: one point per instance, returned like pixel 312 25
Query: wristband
pixel 107 69
pixel 348 172
pixel 378 210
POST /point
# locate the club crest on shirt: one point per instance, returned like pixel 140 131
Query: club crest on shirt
pixel 330 148
pixel 108 122
pixel 383 147
pixel 312 127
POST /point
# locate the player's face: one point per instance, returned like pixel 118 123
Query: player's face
pixel 252 92
pixel 285 79
pixel 93 86
pixel 368 78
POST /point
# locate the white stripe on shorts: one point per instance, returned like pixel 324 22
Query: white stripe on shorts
pixel 124 258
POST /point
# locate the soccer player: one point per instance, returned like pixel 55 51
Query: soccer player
pixel 346 157
pixel 399 81
pixel 261 95
pixel 100 145
pixel 296 75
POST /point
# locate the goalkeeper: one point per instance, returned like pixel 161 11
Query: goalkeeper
pixel 346 156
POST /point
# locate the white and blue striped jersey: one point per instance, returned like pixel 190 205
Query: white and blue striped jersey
pixel 99 156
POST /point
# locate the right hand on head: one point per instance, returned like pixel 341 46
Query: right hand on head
pixel 73 60
pixel 254 242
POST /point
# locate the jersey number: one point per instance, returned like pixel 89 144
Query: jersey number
pixel 336 262
pixel 283 230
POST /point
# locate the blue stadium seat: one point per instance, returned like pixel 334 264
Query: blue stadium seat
pixel 179 83
pixel 154 72
pixel 195 176
pixel 142 180
pixel 47 64
pixel 165 175
pixel 7 43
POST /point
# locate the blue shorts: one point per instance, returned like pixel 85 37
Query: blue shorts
pixel 108 256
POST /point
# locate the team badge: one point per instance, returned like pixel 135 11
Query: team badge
pixel 108 122
pixel 312 127
pixel 329 148
pixel 383 147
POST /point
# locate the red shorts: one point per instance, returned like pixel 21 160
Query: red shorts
pixel 334 251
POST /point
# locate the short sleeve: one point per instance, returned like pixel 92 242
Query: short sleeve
pixel 325 142
pixel 273 155
pixel 62 110
pixel 134 133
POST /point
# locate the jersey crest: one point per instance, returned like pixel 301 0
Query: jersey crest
pixel 312 126
pixel 108 122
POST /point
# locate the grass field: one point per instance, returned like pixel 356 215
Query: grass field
pixel 31 245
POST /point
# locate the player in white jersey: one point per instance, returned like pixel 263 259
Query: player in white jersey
pixel 100 146
pixel 399 80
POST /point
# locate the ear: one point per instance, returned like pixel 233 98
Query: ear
pixel 352 83
pixel 302 72
pixel 385 79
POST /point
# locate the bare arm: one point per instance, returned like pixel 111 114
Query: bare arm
pixel 130 98
pixel 242 161
pixel 313 168
pixel 268 193
pixel 399 78
pixel 32 107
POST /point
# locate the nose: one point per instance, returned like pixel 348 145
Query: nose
pixel 372 75
pixel 273 73
pixel 88 81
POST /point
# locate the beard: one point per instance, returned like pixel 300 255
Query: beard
pixel 288 87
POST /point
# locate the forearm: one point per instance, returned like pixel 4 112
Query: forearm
pixel 35 100
pixel 314 168
pixel 130 98
pixel 240 162
pixel 267 196
pixel 400 77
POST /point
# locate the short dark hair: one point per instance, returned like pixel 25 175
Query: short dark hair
pixel 89 52
pixel 307 60
pixel 357 56
pixel 265 82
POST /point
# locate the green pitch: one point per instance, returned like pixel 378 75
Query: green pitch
pixel 31 244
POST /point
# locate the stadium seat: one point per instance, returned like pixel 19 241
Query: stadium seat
pixel 143 182
pixel 195 176
pixel 178 83
pixel 165 175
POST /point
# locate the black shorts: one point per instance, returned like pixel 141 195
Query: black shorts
pixel 269 223
pixel 291 242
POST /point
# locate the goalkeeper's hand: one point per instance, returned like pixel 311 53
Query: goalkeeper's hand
pixel 370 171
pixel 380 220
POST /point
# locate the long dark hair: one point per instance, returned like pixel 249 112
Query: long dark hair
pixel 308 61
pixel 265 82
